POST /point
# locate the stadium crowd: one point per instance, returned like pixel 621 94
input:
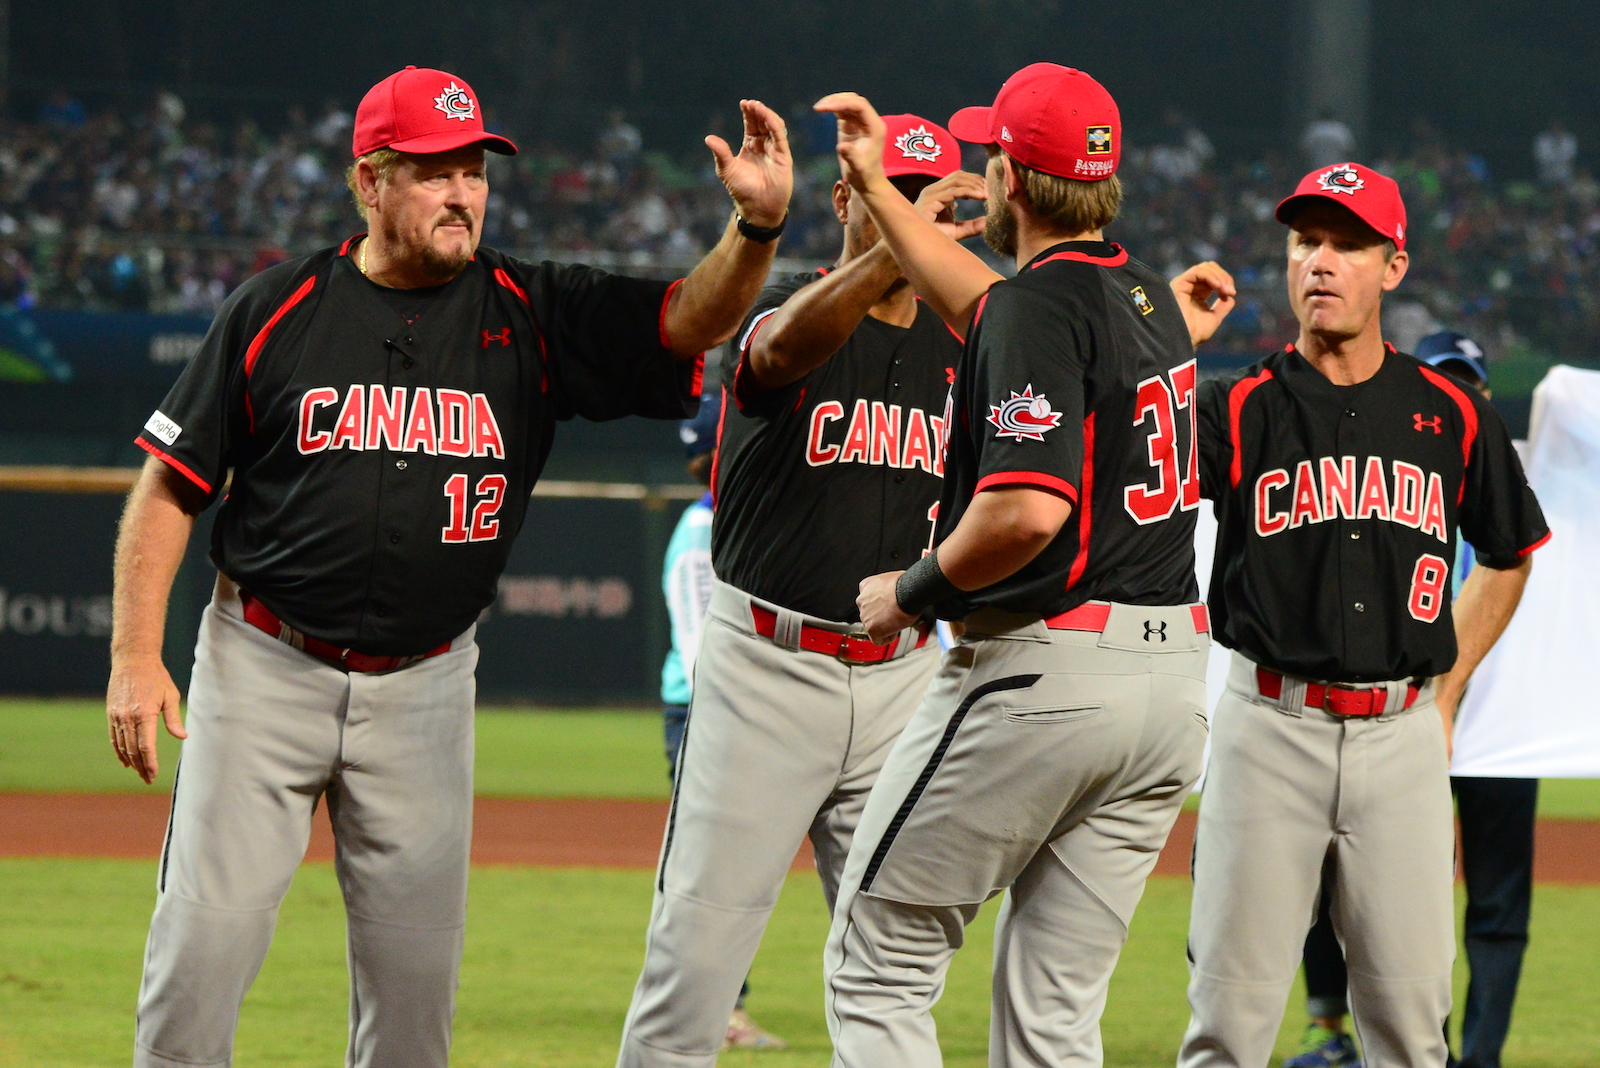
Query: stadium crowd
pixel 155 210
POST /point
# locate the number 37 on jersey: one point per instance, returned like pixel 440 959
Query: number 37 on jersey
pixel 1162 403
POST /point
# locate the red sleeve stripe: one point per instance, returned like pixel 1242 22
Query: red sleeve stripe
pixel 716 456
pixel 253 353
pixel 506 280
pixel 1029 478
pixel 183 469
pixel 977 313
pixel 1236 398
pixel 744 355
pixel 1469 415
pixel 1529 551
pixel 661 323
pixel 1081 561
pixel 1116 259
pixel 699 374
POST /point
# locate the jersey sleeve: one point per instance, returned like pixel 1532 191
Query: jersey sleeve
pixel 607 348
pixel 1030 359
pixel 751 398
pixel 1499 514
pixel 203 419
pixel 1214 441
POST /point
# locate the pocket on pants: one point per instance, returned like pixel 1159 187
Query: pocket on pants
pixel 1053 713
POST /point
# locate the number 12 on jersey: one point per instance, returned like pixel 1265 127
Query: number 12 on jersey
pixel 1158 405
pixel 491 493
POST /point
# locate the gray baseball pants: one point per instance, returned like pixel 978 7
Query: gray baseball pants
pixel 271 730
pixel 781 743
pixel 1287 788
pixel 1048 763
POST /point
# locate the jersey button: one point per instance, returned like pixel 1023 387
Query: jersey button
pixel 408 340
pixel 394 539
pixel 399 465
pixel 1355 535
pixel 1359 607
pixel 380 612
pixel 897 385
pixel 894 554
pixel 899 479
pixel 408 363
pixel 1351 412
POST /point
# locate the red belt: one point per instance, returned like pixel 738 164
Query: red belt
pixel 1093 616
pixel 854 648
pixel 1340 700
pixel 264 619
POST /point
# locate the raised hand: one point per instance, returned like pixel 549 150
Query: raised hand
pixel 1194 289
pixel 861 136
pixel 761 177
pixel 937 203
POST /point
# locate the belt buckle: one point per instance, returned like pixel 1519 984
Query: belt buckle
pixel 1348 695
pixel 843 653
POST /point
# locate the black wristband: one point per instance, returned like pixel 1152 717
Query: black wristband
pixel 761 235
pixel 923 585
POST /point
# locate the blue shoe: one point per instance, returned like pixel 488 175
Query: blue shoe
pixel 1321 1048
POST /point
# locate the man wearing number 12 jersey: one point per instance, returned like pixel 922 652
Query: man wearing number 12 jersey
pixel 1341 471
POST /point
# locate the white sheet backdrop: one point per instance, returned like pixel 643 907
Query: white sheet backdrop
pixel 1532 709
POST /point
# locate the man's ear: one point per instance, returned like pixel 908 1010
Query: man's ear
pixel 1011 179
pixel 841 202
pixel 367 183
pixel 1395 270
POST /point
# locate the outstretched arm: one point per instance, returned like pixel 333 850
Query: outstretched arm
pixel 1483 610
pixel 947 276
pixel 813 324
pixel 150 544
pixel 711 303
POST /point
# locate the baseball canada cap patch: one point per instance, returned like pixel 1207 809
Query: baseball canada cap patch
pixel 1051 118
pixel 422 110
pixel 1373 197
pixel 916 146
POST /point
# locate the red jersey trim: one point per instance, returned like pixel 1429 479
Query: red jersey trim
pixel 1529 551
pixel 661 323
pixel 744 357
pixel 510 283
pixel 1236 398
pixel 1116 259
pixel 716 457
pixel 1081 561
pixel 1029 478
pixel 977 313
pixel 183 469
pixel 699 381
pixel 253 353
pixel 1469 415
pixel 344 249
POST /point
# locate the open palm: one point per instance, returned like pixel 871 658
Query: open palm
pixel 761 177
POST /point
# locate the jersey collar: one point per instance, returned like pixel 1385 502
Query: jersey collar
pixel 1099 253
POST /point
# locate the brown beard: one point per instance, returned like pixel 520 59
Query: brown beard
pixel 437 266
pixel 1000 228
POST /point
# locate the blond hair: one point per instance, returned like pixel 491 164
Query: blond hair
pixel 1068 204
pixel 383 162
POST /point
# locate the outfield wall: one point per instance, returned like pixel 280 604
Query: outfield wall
pixel 579 619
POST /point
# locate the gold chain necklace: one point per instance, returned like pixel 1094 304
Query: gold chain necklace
pixel 363 262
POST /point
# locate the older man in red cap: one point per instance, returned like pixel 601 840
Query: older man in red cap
pixel 1343 473
pixel 383 409
pixel 829 460
pixel 1054 747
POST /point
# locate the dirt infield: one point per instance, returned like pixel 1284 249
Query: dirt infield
pixel 560 832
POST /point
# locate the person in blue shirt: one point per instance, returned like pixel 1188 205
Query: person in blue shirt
pixel 686 581
pixel 1497 823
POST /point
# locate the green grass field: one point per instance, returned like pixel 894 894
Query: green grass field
pixel 61 745
pixel 552 954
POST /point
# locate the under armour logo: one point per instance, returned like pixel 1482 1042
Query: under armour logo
pixel 1436 423
pixel 1158 630
pixel 504 337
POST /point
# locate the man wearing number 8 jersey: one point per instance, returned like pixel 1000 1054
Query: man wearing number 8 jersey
pixel 1341 471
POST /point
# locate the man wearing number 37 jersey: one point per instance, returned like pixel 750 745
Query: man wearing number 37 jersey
pixel 1341 471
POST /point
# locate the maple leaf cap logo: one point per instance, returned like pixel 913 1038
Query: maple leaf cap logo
pixel 455 103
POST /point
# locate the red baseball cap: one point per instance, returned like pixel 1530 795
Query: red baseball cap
pixel 1374 197
pixel 422 110
pixel 1051 118
pixel 916 146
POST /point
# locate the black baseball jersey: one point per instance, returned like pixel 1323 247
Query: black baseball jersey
pixel 1338 509
pixel 832 478
pixel 1078 378
pixel 381 468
